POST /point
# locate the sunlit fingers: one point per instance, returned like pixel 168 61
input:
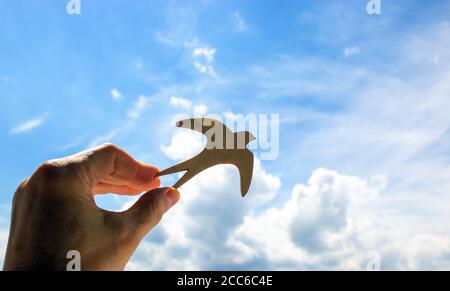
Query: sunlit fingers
pixel 104 188
pixel 147 185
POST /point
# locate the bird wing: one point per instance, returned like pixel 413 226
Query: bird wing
pixel 243 160
pixel 203 125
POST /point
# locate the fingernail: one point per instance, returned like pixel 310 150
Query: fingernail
pixel 173 196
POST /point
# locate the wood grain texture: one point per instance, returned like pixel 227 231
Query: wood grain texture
pixel 222 147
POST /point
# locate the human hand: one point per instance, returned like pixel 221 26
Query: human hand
pixel 54 212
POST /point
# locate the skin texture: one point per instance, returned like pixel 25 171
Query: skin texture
pixel 54 211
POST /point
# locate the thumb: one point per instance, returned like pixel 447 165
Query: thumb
pixel 149 209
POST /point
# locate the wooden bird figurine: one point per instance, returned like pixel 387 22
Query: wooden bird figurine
pixel 223 147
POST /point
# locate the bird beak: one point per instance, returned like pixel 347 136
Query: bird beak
pixel 252 137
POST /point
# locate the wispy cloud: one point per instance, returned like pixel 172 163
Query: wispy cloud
pixel 138 106
pixel 350 51
pixel 239 21
pixel 5 79
pixel 28 125
pixel 133 114
pixel 72 144
pixel 107 137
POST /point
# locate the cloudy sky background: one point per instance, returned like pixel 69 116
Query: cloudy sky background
pixel 363 171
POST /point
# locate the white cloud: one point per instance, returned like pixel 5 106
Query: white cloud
pixel 333 220
pixel 28 125
pixel 116 94
pixel 205 69
pixel 138 106
pixel 205 66
pixel 350 51
pixel 193 234
pixel 421 252
pixel 239 21
pixel 180 102
pixel 206 52
pixel 200 109
pixel 394 122
pixel 329 224
pixel 314 226
pixel 184 144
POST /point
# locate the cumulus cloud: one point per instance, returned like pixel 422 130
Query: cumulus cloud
pixel 313 228
pixel 180 102
pixel 200 109
pixel 208 55
pixel 327 224
pixel 28 125
pixel 116 94
pixel 194 234
pixel 206 52
pixel 184 144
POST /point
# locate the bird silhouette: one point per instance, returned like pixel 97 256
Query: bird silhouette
pixel 222 147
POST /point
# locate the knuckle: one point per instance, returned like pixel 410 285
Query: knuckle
pixel 151 216
pixel 22 186
pixel 109 147
pixel 49 170
pixel 21 189
pixel 52 174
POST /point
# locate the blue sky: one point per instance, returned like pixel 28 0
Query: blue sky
pixel 363 102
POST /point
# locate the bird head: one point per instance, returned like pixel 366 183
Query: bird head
pixel 195 123
pixel 185 123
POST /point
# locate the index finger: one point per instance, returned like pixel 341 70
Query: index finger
pixel 110 164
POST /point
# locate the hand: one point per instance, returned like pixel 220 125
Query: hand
pixel 54 212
